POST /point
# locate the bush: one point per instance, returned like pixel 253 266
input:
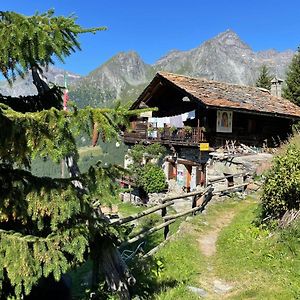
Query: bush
pixel 281 190
pixel 153 179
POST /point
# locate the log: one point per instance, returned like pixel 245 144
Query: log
pixel 155 249
pixel 248 149
pixel 288 217
pixel 207 198
pixel 231 188
pixel 194 209
pixel 141 214
pixel 166 229
pixel 176 216
pixel 144 234
pixel 197 201
pixel 164 200
pixel 225 177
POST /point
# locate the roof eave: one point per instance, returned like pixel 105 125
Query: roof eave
pixel 154 82
pixel 254 112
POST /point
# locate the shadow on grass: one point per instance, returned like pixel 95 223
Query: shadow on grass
pixel 146 271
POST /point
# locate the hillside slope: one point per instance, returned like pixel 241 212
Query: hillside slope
pixel 223 58
pixel 122 77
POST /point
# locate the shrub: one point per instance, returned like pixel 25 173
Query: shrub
pixel 153 179
pixel 156 149
pixel 281 190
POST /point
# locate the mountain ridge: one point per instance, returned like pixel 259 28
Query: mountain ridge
pixel 224 57
pixel 23 87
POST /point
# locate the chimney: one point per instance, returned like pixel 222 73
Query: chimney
pixel 276 84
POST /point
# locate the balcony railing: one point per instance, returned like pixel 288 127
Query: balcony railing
pixel 181 136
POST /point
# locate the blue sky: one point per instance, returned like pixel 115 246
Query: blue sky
pixel 152 28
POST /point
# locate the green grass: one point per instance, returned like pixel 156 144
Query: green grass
pixel 127 209
pixel 89 150
pixel 88 156
pixel 147 222
pixel 158 279
pixel 257 263
pixel 155 274
pixel 262 266
pixel 183 262
pixel 182 266
pixel 178 292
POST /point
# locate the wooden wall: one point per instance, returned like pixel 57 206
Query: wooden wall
pixel 247 128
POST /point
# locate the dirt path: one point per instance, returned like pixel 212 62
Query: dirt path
pixel 207 242
pixel 211 285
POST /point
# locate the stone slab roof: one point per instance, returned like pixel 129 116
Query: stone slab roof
pixel 225 95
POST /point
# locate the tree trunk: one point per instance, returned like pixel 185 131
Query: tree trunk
pixel 115 271
pixel 39 80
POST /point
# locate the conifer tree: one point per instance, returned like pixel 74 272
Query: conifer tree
pixel 48 226
pixel 292 89
pixel 264 78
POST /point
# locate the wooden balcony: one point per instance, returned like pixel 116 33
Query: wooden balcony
pixel 180 136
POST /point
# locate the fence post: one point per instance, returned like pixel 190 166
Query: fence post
pixel 130 193
pixel 245 179
pixel 198 201
pixel 230 181
pixel 166 229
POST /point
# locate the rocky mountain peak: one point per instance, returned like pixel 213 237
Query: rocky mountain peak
pixel 224 57
pixel 123 71
pixel 231 39
pixel 128 65
pixel 128 57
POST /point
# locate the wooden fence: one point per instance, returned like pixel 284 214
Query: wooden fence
pixel 199 201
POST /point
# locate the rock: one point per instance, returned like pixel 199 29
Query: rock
pixel 252 187
pixel 221 287
pixel 132 198
pixel 256 163
pixel 198 291
pixel 263 167
pixel 154 198
pixel 210 268
pixel 183 204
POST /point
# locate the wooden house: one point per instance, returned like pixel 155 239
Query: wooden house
pixel 196 111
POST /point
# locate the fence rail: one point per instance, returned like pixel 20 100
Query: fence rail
pixel 199 202
pixel 167 219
